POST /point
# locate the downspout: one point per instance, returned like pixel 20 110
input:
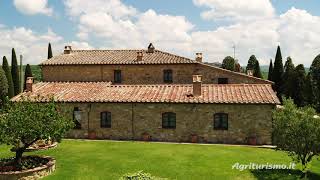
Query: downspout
pixel 132 120
pixel 89 110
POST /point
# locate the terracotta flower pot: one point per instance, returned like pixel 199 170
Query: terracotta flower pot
pixel 145 137
pixel 252 141
pixel 92 135
pixel 194 138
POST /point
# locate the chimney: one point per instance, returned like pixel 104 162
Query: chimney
pixel 196 83
pixel 29 83
pixel 151 48
pixel 139 56
pixel 199 57
pixel 67 49
pixel 250 72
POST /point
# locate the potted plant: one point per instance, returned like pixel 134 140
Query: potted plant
pixel 252 137
pixel 92 134
pixel 146 137
pixel 194 138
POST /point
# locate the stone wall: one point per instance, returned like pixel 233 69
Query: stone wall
pixel 132 120
pixel 143 74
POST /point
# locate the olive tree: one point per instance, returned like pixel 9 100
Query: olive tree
pixel 24 122
pixel 297 131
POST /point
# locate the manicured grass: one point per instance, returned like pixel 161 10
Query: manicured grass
pixel 77 159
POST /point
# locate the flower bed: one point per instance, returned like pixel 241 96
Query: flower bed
pixel 32 167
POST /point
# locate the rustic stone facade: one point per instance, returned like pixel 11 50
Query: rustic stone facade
pixel 144 73
pixel 133 120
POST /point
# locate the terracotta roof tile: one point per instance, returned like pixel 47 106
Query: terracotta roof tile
pixel 175 93
pixel 116 57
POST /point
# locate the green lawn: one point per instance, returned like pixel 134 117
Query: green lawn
pixel 78 159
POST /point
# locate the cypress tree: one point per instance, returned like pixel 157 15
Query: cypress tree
pixel 3 87
pixel 270 71
pixel 228 63
pixel 15 72
pixel 6 69
pixel 299 85
pixel 27 73
pixel 287 86
pixel 308 92
pixel 251 63
pixel 49 51
pixel 315 81
pixel 277 72
pixel 256 70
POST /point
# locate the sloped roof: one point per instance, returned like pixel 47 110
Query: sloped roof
pixel 175 93
pixel 116 57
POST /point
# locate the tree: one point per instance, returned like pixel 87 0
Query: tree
pixel 27 73
pixel 49 51
pixel 24 122
pixel 5 67
pixel 228 63
pixel 256 70
pixel 237 67
pixel 251 63
pixel 277 72
pixel 15 72
pixel 3 87
pixel 287 79
pixel 315 81
pixel 308 92
pixel 270 71
pixel 297 132
pixel 298 85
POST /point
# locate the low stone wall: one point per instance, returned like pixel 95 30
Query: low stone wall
pixel 31 174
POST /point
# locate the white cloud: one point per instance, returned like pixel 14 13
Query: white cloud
pixel 235 9
pixel 32 7
pixel 33 46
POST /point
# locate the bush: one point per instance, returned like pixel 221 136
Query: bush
pixel 140 175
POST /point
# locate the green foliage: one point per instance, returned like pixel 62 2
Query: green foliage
pixel 140 175
pixel 297 131
pixel 228 63
pixel 315 81
pixel 270 71
pixel 15 72
pixel 251 63
pixel 6 68
pixel 287 86
pixel 23 123
pixel 49 51
pixel 3 87
pixel 257 71
pixel 277 72
pixel 308 92
pixel 27 73
pixel 299 85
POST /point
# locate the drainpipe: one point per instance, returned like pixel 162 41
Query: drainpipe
pixel 89 110
pixel 132 120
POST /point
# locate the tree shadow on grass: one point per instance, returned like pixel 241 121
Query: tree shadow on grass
pixel 285 174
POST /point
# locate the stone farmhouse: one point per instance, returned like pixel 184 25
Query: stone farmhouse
pixel 156 96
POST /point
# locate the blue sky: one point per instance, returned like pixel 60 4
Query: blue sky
pixel 184 27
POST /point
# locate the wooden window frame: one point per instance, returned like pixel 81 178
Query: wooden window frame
pixel 218 121
pixel 168 76
pixel 117 76
pixel 168 122
pixel 108 122
pixel 76 122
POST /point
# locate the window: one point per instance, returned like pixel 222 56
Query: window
pixel 117 76
pixel 105 120
pixel 77 118
pixel 222 80
pixel 169 120
pixel 220 121
pixel 167 76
